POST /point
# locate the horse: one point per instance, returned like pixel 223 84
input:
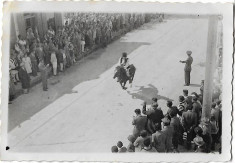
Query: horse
pixel 121 74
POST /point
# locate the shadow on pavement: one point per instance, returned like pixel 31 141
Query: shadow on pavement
pixel 195 85
pixel 147 93
pixel 89 68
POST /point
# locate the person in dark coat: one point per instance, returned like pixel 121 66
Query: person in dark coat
pixel 175 124
pixel 206 134
pixel 139 123
pixel 43 70
pixel 168 131
pixel 197 108
pixel 154 116
pixel 187 68
pixel 24 78
pixel 12 91
pixel 181 106
pixel 189 122
pixel 46 50
pixel 158 140
pixel 60 59
pixel 171 108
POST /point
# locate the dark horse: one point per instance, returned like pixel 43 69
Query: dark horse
pixel 120 73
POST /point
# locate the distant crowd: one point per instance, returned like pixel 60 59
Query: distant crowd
pixel 181 129
pixel 61 47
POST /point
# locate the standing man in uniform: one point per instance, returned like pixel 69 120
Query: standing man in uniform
pixel 187 68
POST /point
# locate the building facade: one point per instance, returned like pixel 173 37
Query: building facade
pixel 20 22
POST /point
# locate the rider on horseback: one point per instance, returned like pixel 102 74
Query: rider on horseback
pixel 124 61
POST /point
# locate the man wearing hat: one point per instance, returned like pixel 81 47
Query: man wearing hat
pixel 187 68
pixel 154 116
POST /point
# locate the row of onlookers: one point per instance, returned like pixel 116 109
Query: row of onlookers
pixel 60 48
pixel 182 125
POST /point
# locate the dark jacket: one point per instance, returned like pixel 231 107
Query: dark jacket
pixel 159 139
pixel 197 108
pixel 168 131
pixel 189 120
pixel 24 78
pixel 155 114
pixel 139 122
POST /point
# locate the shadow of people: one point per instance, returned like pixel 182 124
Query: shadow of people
pixel 147 93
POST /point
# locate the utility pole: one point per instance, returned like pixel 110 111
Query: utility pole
pixel 210 66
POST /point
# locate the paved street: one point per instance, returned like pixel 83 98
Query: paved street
pixel 85 109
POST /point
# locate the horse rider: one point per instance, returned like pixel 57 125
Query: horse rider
pixel 124 61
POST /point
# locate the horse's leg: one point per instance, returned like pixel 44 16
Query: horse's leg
pixel 121 84
pixel 124 85
pixel 130 82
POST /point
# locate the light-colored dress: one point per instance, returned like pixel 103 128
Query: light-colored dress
pixel 27 64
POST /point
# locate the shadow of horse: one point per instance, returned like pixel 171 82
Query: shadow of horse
pixel 147 93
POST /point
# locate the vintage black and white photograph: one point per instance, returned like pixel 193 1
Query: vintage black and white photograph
pixel 125 80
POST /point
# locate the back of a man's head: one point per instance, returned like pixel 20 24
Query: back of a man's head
pixel 119 144
pixel 114 149
pixel 137 111
pixel 147 142
pixel 189 107
pixel 185 91
pixel 143 133
pixel 181 98
pixel 169 103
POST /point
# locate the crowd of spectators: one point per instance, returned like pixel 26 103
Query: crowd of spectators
pixel 182 126
pixel 61 47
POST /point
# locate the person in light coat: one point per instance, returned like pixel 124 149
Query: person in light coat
pixel 27 64
pixel 54 63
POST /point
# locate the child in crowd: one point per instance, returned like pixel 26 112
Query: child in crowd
pixel 121 148
pixel 131 147
pixel 114 149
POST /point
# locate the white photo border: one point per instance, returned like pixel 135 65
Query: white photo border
pixel 225 9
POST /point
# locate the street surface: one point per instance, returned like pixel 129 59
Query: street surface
pixel 85 109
